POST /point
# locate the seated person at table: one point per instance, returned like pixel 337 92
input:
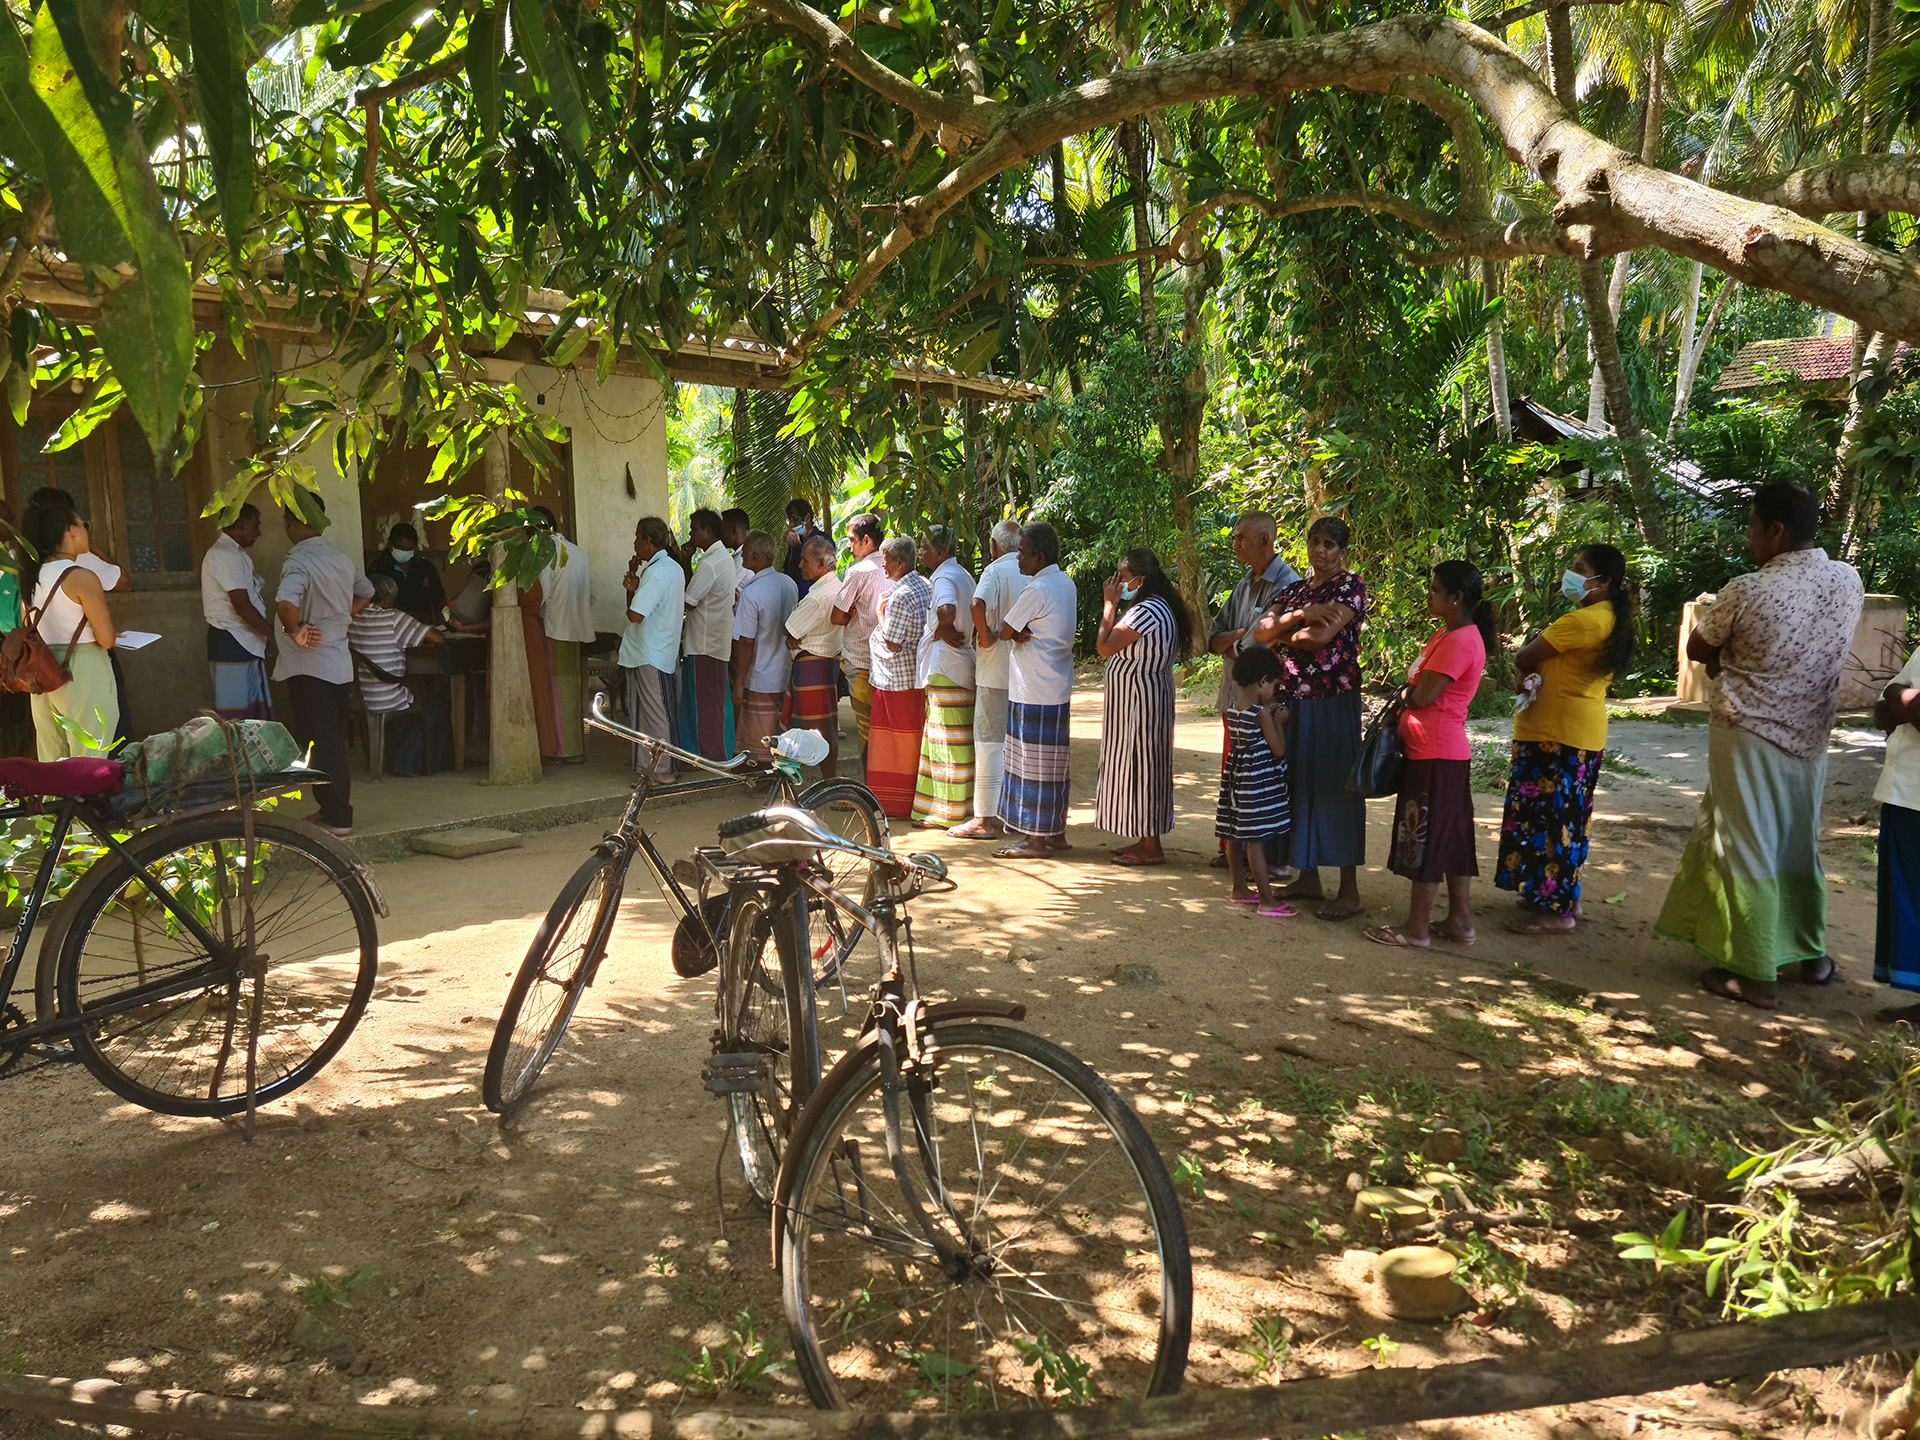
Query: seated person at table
pixel 421 593
pixel 471 611
pixel 381 635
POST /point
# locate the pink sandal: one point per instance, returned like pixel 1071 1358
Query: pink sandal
pixel 1244 899
pixel 1279 910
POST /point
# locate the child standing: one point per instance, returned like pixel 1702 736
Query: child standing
pixel 1253 786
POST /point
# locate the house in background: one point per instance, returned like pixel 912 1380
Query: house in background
pixel 1824 360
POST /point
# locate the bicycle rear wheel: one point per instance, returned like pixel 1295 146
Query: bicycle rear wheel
pixel 566 950
pixel 1070 1282
pixel 315 950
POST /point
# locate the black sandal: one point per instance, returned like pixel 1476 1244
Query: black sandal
pixel 1819 976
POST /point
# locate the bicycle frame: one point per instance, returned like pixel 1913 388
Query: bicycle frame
pixel 219 965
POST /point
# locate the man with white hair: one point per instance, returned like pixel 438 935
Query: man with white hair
pixel 815 642
pixel 857 611
pixel 944 795
pixel 1000 585
pixel 1267 575
pixel 761 661
pixel 899 701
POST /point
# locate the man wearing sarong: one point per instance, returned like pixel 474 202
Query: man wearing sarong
pixel 815 642
pixel 706 699
pixel 943 797
pixel 234 602
pixel 1750 895
pixel 1896 948
pixel 557 613
pixel 899 702
pixel 761 661
pixel 858 611
pixel 656 612
pixel 1040 626
pixel 1001 583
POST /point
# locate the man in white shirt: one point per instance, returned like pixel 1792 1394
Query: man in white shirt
pixel 706 700
pixel 899 702
pixel 761 662
pixel 235 606
pixel 1040 626
pixel 943 794
pixel 734 525
pixel 858 611
pixel 650 649
pixel 1001 583
pixel 815 642
pixel 566 621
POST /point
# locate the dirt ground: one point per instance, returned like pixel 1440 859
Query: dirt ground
pixel 569 1259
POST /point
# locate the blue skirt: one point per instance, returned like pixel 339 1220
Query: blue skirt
pixel 1896 946
pixel 1329 821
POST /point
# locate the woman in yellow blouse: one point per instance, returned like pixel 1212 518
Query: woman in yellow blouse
pixel 1558 738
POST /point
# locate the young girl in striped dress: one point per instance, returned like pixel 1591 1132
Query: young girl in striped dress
pixel 1253 786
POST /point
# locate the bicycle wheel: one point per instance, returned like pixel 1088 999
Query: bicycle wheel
pixel 184 1052
pixel 559 965
pixel 851 811
pixel 1072 1281
pixel 762 999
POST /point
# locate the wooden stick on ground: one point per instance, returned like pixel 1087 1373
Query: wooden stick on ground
pixel 1359 1401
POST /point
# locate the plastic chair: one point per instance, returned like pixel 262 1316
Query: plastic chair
pixel 373 724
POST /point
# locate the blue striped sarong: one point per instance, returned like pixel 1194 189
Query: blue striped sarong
pixel 1033 796
pixel 1896 950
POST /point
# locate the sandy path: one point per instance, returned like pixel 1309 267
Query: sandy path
pixel 567 1259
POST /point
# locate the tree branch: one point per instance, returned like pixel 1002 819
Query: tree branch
pixel 1513 16
pixel 1758 244
pixel 414 80
pixel 1887 184
pixel 974 118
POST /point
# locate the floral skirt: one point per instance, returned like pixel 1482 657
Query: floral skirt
pixel 1543 839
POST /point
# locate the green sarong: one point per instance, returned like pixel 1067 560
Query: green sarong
pixel 1749 894
pixel 943 794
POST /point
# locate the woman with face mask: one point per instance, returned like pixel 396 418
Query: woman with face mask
pixel 1559 735
pixel 1144 628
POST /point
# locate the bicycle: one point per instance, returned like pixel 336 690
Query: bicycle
pixel 209 963
pixel 571 943
pixel 964 1214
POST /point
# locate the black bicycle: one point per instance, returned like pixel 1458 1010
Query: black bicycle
pixel 210 962
pixel 571 943
pixel 965 1215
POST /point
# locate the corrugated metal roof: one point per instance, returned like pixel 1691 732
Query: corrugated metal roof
pixel 1811 357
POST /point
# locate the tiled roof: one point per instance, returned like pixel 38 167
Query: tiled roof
pixel 1811 357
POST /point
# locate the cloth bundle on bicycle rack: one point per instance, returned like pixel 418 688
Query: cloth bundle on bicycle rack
pixel 772 843
pixel 206 748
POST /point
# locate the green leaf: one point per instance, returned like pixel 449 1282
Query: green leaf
pixel 538 35
pixel 17 136
pixel 19 392
pixel 370 34
pixel 486 54
pixel 103 397
pixel 220 63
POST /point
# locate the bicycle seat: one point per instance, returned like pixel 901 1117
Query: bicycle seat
pixel 198 793
pixel 78 777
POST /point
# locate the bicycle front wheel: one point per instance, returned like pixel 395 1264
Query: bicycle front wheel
pixel 1066 1277
pixel 184 1052
pixel 566 950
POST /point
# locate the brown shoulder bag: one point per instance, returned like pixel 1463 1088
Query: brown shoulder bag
pixel 27 666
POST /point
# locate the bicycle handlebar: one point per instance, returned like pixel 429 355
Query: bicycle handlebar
pixel 598 718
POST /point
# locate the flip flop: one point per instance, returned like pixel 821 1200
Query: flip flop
pixel 1819 976
pixel 1520 925
pixel 1336 913
pixel 1465 942
pixel 1727 986
pixel 1280 911
pixel 1389 936
pixel 1123 858
pixel 1014 852
pixel 1244 899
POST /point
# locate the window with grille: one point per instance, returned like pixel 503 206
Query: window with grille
pixel 66 470
pixel 158 539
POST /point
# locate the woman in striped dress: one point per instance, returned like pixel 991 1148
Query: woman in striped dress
pixel 1144 628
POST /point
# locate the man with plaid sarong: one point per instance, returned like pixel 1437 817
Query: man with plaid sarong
pixel 814 639
pixel 943 796
pixel 1040 626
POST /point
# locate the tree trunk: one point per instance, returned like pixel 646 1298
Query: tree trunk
pixel 1694 354
pixel 1626 424
pixel 1842 497
pixel 1682 388
pixel 1134 149
pixel 1616 297
pixel 1653 119
pixel 1490 280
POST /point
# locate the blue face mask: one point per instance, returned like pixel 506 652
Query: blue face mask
pixel 401 557
pixel 1573 586
pixel 1129 595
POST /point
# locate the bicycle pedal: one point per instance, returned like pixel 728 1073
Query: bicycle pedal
pixel 742 1074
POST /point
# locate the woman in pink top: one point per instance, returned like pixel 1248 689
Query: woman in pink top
pixel 1433 821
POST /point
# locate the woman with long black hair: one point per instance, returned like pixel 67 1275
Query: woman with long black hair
pixel 1433 820
pixel 1144 628
pixel 67 604
pixel 1559 737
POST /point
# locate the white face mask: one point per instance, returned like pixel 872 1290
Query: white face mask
pixel 1129 595
pixel 1573 585
pixel 401 557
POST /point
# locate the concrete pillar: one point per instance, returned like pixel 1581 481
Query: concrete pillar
pixel 513 753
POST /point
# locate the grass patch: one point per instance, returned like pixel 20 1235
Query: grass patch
pixel 1492 763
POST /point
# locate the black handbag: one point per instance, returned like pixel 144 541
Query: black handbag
pixel 1376 771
